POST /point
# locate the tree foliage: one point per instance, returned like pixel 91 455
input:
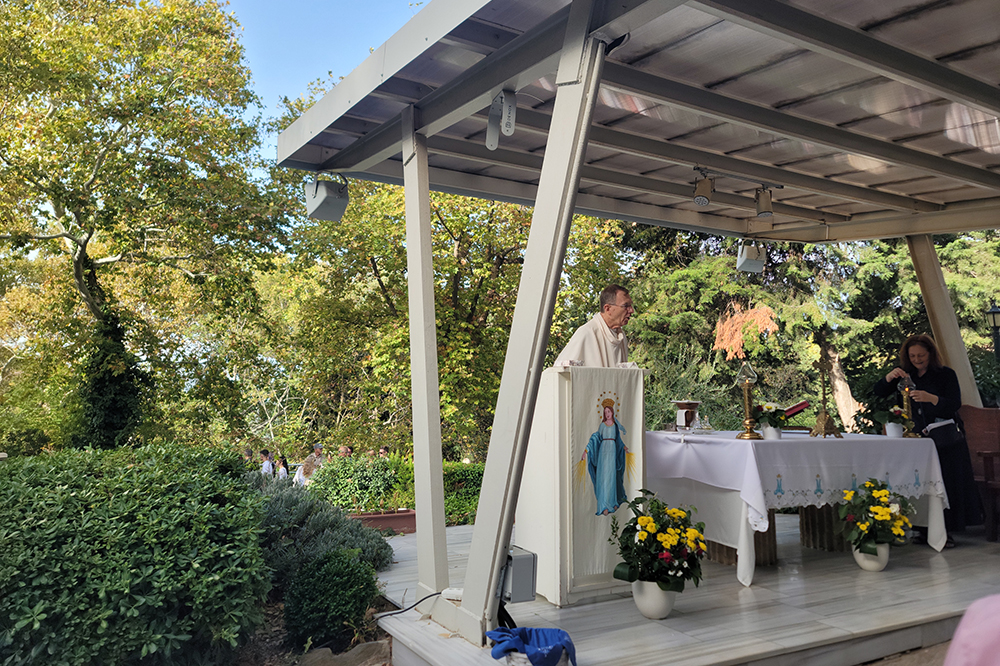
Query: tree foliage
pixel 128 161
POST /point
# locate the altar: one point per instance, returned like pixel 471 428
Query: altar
pixel 734 483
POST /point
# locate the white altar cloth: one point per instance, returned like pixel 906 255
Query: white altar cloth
pixel 725 477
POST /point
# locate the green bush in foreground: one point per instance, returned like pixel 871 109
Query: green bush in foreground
pixel 327 600
pixel 144 556
pixel 298 528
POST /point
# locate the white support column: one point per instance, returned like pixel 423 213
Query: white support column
pixel 941 312
pixel 579 77
pixel 432 549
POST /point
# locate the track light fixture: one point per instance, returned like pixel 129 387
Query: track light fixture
pixel 763 200
pixel 703 191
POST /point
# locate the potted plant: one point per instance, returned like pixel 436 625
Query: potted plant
pixel 771 418
pixel 895 421
pixel 661 549
pixel 873 518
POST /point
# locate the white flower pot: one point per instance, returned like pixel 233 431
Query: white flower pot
pixel 651 601
pixel 770 432
pixel 893 429
pixel 872 562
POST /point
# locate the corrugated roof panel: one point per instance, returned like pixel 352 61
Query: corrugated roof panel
pixel 977 158
pixel 804 75
pixel 877 96
pixel 614 160
pixel 855 12
pixel 656 121
pixel 958 194
pixel 942 144
pixel 714 53
pixel 684 23
pixel 945 27
pixel 724 138
pixel 520 15
pixel 679 173
pixel 782 151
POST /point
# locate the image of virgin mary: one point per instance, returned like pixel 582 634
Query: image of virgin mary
pixel 606 455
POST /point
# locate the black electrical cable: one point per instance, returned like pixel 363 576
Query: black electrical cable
pixel 379 616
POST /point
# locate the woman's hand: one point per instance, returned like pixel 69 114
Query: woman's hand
pixel 923 396
pixel 896 373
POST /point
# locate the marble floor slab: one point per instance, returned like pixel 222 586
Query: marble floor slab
pixel 812 607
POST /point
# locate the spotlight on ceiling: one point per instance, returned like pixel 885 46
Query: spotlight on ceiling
pixel 763 199
pixel 703 191
pixel 327 199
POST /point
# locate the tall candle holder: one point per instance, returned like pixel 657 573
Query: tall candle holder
pixel 906 385
pixel 824 422
pixel 746 378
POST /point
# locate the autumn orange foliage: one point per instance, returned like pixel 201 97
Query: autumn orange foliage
pixel 733 323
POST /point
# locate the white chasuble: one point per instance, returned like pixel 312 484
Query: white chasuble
pixel 596 345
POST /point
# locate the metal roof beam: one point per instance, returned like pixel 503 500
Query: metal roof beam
pixel 643 184
pixel 676 154
pixel 473 185
pixel 421 32
pixel 667 91
pixel 855 47
pixel 517 63
pixel 894 226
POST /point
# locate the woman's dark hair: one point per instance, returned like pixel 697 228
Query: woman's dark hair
pixel 925 341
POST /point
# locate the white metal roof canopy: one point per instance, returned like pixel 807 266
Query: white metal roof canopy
pixel 859 110
pixel 875 121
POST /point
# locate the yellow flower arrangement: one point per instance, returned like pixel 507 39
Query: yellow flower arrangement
pixel 674 553
pixel 874 514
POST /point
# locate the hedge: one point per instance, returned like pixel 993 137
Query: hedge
pixel 359 484
pixel 145 556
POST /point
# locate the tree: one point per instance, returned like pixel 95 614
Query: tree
pixel 127 148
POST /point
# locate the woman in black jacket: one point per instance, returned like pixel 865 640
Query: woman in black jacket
pixel 937 397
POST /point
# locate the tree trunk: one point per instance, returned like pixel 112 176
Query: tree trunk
pixel 85 278
pixel 847 406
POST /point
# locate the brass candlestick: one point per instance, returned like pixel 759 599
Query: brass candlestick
pixel 824 422
pixel 905 386
pixel 747 378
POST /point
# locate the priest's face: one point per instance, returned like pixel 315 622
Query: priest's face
pixel 618 313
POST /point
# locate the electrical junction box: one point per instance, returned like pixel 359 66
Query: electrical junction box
pixel 751 258
pixel 519 579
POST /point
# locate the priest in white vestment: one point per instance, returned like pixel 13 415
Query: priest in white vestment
pixel 601 342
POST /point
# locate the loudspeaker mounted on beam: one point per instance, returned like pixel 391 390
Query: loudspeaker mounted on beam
pixel 751 258
pixel 326 199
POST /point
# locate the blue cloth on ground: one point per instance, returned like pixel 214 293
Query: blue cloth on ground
pixel 543 647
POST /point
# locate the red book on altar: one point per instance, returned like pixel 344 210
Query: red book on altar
pixel 796 408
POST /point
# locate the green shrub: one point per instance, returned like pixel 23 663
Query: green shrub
pixel 144 556
pixel 384 484
pixel 356 484
pixel 24 442
pixel 328 598
pixel 462 483
pixel 299 527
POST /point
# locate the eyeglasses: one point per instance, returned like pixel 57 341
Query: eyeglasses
pixel 627 306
